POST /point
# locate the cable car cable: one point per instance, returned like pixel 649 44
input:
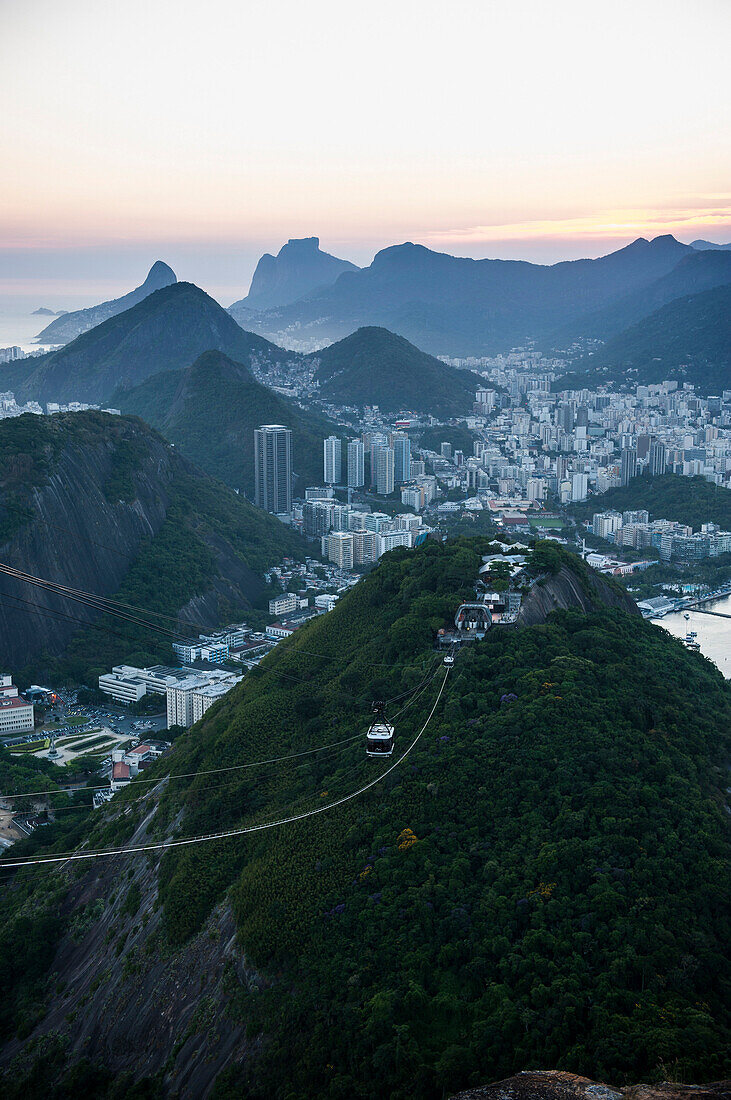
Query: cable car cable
pixel 230 833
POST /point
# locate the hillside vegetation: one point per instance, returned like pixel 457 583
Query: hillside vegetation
pixel 376 367
pixel 103 504
pixel 688 340
pixel 691 500
pixel 539 883
pixel 210 411
pixel 167 330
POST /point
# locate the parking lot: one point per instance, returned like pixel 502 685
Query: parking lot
pixel 103 729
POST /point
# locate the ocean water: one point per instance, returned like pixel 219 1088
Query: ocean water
pixel 714 635
pixel 19 327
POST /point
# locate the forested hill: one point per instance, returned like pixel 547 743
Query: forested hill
pixel 538 883
pixel 688 340
pixel 104 504
pixel 210 410
pixel 691 500
pixel 167 330
pixel 376 367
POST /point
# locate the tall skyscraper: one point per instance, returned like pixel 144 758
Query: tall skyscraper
pixel 383 456
pixel 333 452
pixel 273 468
pixel 658 459
pixel 356 465
pixel 401 457
pixel 629 465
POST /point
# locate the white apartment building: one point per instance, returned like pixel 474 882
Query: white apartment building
pixel 182 706
pixel 332 454
pixel 16 715
pixel 365 547
pixel 356 464
pixel 391 541
pixel 605 524
pixel 122 688
pixel 340 548
pixel 413 497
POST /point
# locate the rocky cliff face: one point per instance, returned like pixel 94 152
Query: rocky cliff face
pixel 586 590
pixel 554 1085
pixel 299 267
pixel 70 529
pixel 128 1003
pixel 81 497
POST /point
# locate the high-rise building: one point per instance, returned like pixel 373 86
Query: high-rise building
pixel 365 547
pixel 340 549
pixel 356 465
pixel 657 458
pixel 332 448
pixel 273 468
pixel 579 486
pixel 401 457
pixel 629 465
pixel 384 461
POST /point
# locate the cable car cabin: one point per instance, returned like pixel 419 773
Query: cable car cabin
pixel 379 741
pixel 449 660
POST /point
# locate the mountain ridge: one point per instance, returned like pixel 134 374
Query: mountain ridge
pixel 168 329
pixel 69 325
pixel 462 306
pixel 688 340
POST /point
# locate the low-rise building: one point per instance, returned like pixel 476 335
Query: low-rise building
pixel 16 715
pixel 122 688
pixel 282 605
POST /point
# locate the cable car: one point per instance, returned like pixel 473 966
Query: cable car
pixel 379 740
pixel 449 660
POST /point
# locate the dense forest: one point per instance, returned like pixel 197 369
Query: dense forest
pixel 691 500
pixel 373 366
pixel 540 882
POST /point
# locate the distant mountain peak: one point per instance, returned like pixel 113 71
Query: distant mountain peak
pixel 70 325
pixel 161 274
pixel 706 246
pixel 299 268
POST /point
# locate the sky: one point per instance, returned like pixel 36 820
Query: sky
pixel 205 133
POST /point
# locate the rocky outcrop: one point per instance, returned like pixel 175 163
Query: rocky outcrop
pixel 81 496
pixel 70 325
pixel 71 530
pixel 124 1000
pixel 581 588
pixel 555 1085
pixel 299 268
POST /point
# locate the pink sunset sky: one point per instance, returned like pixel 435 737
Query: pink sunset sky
pixel 206 133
